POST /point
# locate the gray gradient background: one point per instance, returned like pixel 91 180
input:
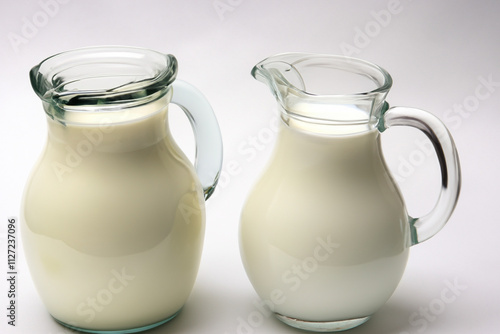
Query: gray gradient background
pixel 436 52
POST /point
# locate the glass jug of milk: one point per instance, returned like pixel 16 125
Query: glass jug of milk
pixel 113 214
pixel 324 234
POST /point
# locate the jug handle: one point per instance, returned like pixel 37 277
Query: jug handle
pixel 425 227
pixel 208 157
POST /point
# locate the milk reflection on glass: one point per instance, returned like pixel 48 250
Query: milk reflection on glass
pixel 113 212
pixel 328 177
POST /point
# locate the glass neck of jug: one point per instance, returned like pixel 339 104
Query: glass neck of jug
pixel 326 94
pixel 120 84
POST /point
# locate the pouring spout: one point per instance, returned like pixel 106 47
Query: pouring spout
pixel 280 75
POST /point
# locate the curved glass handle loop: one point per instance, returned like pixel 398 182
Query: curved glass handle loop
pixel 427 226
pixel 208 159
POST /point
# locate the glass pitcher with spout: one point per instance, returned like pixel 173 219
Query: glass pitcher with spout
pixel 113 214
pixel 324 234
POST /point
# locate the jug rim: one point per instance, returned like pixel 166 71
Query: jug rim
pixel 318 91
pixel 103 78
pixel 373 71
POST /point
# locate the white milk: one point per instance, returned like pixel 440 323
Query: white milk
pixel 324 233
pixel 113 221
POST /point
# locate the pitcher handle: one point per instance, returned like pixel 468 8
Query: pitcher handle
pixel 208 158
pixel 427 226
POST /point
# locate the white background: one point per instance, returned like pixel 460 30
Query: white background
pixel 436 51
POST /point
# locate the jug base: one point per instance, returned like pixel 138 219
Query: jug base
pixel 121 331
pixel 322 326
